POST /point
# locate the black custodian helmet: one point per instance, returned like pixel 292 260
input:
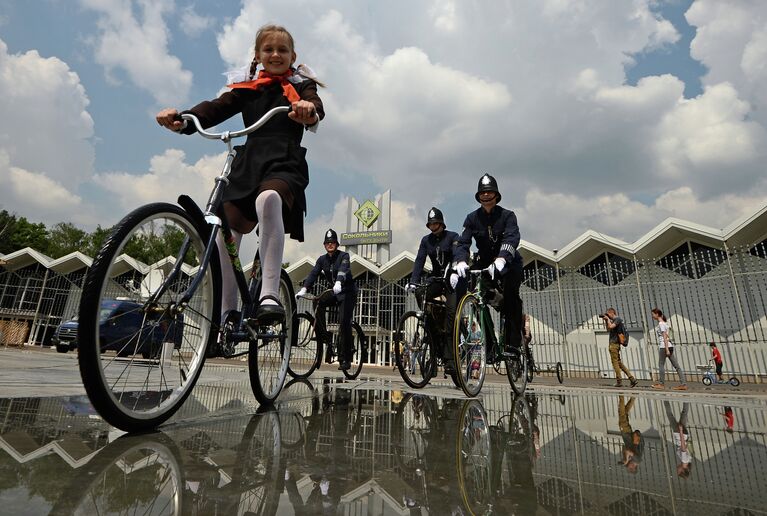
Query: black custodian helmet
pixel 435 215
pixel 487 183
pixel 330 236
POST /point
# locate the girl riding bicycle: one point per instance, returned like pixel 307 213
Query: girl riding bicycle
pixel 269 175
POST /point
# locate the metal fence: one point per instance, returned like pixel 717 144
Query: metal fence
pixel 708 294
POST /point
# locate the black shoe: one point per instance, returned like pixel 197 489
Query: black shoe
pixel 268 314
pixel 344 366
pixel 634 382
pixel 449 367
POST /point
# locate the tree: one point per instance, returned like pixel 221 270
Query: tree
pixel 7 226
pixel 65 238
pixel 96 240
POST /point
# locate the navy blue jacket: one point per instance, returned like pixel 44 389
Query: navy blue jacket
pixel 333 268
pixel 495 233
pixel 440 249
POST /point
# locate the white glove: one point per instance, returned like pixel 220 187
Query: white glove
pixel 461 269
pixel 496 266
pixel 337 287
pixel 301 293
pixel 410 288
pixel 453 280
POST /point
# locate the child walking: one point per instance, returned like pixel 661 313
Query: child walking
pixel 270 174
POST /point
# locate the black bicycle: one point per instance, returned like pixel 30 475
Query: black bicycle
pixel 308 347
pixel 418 346
pixel 181 295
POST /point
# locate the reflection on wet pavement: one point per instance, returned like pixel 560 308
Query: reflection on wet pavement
pixel 331 449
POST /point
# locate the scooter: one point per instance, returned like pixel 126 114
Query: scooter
pixel 709 377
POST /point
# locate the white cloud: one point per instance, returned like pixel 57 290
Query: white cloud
pixel 731 41
pixel 168 177
pixel 193 24
pixel 45 123
pixel 27 193
pixel 534 92
pixel 617 216
pixel 46 149
pixel 139 47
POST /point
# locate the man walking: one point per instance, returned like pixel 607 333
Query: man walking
pixel 614 325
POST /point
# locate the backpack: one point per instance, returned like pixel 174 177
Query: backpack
pixel 623 335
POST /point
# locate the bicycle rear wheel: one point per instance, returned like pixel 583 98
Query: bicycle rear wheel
pixel 305 352
pixel 413 351
pixel 269 352
pixel 357 352
pixel 469 353
pixel 560 373
pixel 517 371
pixel 128 309
pixel 530 365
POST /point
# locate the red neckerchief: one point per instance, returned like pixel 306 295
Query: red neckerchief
pixel 264 79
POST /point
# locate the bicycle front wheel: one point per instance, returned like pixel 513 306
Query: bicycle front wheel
pixel 269 351
pixel 130 310
pixel 305 352
pixel 474 458
pixel 469 346
pixel 517 370
pixel 413 352
pixel 357 352
pixel 530 366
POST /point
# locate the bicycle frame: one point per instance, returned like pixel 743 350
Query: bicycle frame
pixel 486 324
pixel 213 223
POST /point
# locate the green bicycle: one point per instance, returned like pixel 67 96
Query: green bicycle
pixel 475 344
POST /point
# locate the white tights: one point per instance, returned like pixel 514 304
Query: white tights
pixel 272 231
pixel 269 211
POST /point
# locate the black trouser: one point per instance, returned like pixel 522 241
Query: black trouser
pixel 444 327
pixel 512 305
pixel 345 302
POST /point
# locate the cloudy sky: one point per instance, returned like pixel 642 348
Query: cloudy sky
pixel 592 114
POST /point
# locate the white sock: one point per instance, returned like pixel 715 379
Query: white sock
pixel 272 233
pixel 230 297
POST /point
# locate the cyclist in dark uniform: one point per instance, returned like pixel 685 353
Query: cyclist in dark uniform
pixel 335 267
pixel 496 234
pixel 439 246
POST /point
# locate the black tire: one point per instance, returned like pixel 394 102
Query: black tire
pixel 473 458
pixel 137 395
pixel 414 350
pixel 530 373
pixel 305 352
pixel 128 466
pixel 269 353
pixel 358 342
pixel 734 381
pixel 416 427
pixel 706 381
pixel 260 472
pixel 62 348
pixel 517 371
pixel 560 373
pixel 470 356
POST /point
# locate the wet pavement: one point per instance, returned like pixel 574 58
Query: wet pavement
pixel 373 446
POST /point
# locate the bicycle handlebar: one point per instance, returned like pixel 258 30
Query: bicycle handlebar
pixel 228 135
pixel 312 297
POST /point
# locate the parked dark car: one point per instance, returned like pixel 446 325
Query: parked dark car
pixel 121 323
